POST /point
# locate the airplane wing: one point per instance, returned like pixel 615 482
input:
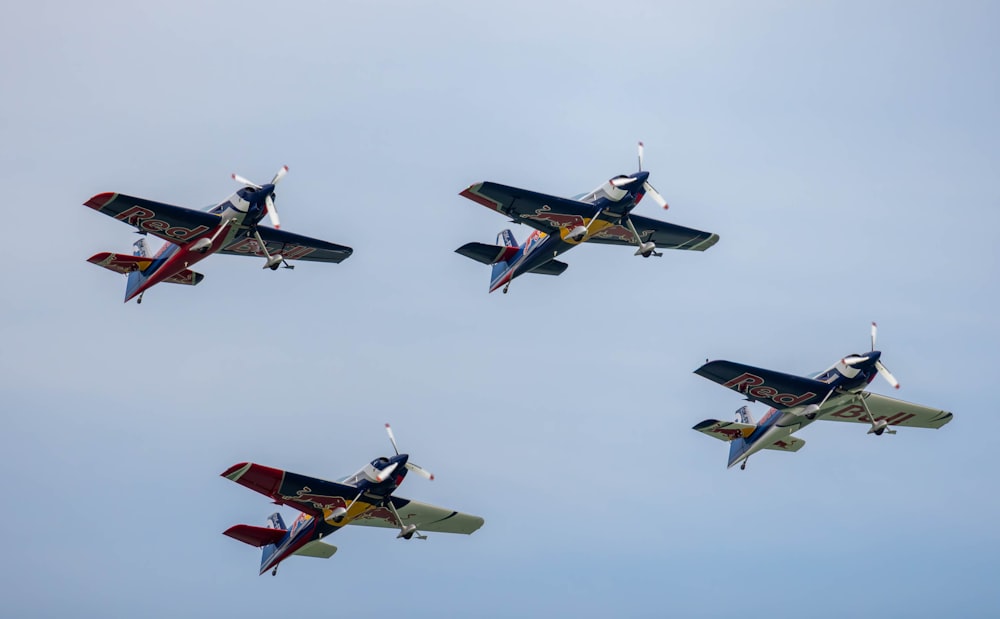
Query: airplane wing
pixel 291 246
pixel 896 412
pixel 175 224
pixel 538 210
pixel 304 493
pixel 426 517
pixel 759 385
pixel 666 236
pixel 725 430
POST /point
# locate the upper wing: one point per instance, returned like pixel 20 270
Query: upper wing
pixel 774 388
pixel 666 236
pixel 895 412
pixel 306 494
pixel 291 246
pixel 538 210
pixel 426 517
pixel 176 224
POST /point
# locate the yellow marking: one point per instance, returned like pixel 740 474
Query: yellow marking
pixel 598 226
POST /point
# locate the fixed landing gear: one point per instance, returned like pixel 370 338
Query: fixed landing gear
pixel 506 287
pixel 274 572
pixel 139 300
pixel 273 261
pixel 743 466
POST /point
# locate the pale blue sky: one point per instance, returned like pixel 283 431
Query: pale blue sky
pixel 846 152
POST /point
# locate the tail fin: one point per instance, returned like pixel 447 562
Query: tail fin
pixel 135 278
pixel 506 239
pixel 739 445
pixel 274 521
pixel 743 415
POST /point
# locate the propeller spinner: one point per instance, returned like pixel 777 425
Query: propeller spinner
pixel 409 465
pixel 646 186
pixel 272 212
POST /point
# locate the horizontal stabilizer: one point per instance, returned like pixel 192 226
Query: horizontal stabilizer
pixel 725 430
pixel 120 263
pixel 789 443
pixel 552 267
pixel 255 536
pixel 317 549
pixel 187 276
pixel 487 254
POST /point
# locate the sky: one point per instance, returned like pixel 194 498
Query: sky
pixel 845 152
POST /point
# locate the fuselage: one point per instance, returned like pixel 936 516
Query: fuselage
pixel 244 208
pixel 845 382
pixel 372 494
pixel 610 204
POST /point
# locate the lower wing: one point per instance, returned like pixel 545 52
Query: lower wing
pixel 426 517
pixel 895 412
pixel 666 236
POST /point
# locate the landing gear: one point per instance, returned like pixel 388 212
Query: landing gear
pixel 645 249
pixel 273 262
pixel 879 427
pixel 139 300
pixel 743 466
pixel 274 572
pixel 506 287
pixel 406 531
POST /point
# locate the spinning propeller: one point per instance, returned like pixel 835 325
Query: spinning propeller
pixel 647 187
pixel 882 370
pixel 272 212
pixel 409 465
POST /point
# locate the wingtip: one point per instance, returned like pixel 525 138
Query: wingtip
pixel 235 471
pixel 100 200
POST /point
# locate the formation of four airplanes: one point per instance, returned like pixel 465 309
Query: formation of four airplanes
pixel 605 215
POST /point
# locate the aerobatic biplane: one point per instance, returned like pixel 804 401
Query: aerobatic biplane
pixel 602 216
pixel 230 227
pixel 364 498
pixel 834 395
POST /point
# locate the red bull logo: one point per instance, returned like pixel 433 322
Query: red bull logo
pixel 145 220
pixel 251 246
pixel 857 412
pixel 753 385
pixel 559 220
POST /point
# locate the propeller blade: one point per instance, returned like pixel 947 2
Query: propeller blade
pixel 386 472
pixel 247 182
pixel 641 149
pixel 889 378
pixel 272 212
pixel 874 333
pixel 420 471
pixel 853 360
pixel 392 438
pixel 655 195
pixel 279 175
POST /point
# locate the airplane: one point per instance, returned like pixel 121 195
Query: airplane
pixel 602 216
pixel 364 498
pixel 836 394
pixel 230 227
